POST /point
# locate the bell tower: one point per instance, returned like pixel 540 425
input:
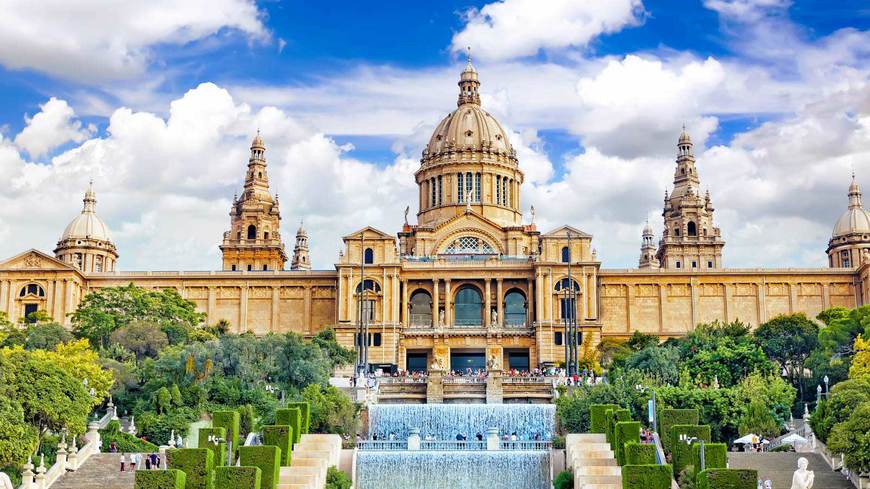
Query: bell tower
pixel 648 249
pixel 301 260
pixel 253 242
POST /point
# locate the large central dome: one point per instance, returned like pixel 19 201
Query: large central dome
pixel 469 164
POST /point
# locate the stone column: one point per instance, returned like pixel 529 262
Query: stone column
pixel 494 389
pixel 414 439
pixel 212 299
pixel 530 302
pixel 539 302
pixel 487 303
pixel 499 292
pixel 276 298
pixel 68 296
pixel 436 299
pixel 307 311
pixel 351 290
pixel 27 475
pixel 243 308
pixel 61 452
pixel 435 387
pixel 492 441
pixel 4 289
pixel 826 296
pixel 406 313
pixel 448 314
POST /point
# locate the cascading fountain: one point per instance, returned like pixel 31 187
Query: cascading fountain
pixel 457 469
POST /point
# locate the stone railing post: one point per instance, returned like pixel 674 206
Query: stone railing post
pixel 492 441
pixel 27 475
pixel 40 473
pixel 72 460
pixel 93 436
pixel 414 439
pixel 62 453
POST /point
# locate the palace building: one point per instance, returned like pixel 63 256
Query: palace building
pixel 471 279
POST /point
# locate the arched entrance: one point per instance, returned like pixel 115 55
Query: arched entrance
pixel 515 308
pixel 421 309
pixel 468 307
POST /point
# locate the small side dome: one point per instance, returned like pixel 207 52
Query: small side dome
pixel 855 220
pixel 87 225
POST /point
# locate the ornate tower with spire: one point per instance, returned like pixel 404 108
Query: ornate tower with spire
pixel 689 239
pixel 254 239
pixel 86 243
pixel 648 249
pixel 301 260
pixel 851 236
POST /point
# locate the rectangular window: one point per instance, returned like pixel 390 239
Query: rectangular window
pixel 504 191
pixel 434 194
pixel 694 264
pixel 498 189
pixel 477 187
pixel 369 310
pixel 265 267
pixel 234 268
pixel 469 186
pixel 709 264
pixel 250 267
pixel 439 189
pixel 459 189
pixel 557 338
pixel 678 264
pixel 377 339
pixel 98 263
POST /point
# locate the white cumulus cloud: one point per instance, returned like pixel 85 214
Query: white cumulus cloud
pixel 54 125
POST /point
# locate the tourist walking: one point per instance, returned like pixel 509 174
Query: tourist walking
pixel 123 462
pixel 134 458
pixel 147 463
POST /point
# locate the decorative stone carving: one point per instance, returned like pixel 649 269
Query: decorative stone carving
pixel 802 478
pixel 32 261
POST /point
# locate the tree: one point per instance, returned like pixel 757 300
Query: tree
pixel 35 317
pixel 852 438
pixel 639 341
pixel 162 400
pixel 789 339
pixel 46 336
pixel 331 410
pixel 143 338
pixel 758 420
pixel 18 440
pixel 861 361
pixel 80 361
pixel 337 354
pixel 659 362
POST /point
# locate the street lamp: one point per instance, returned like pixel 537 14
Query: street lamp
pixel 691 439
pixel 826 386
pixel 818 393
pixel 217 440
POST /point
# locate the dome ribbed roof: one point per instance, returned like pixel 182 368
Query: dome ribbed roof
pixel 87 225
pixel 469 127
pixel 855 220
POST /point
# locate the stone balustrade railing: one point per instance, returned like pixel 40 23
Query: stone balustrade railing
pixel 69 457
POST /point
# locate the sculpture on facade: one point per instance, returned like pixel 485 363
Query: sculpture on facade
pixel 802 478
pixel 441 318
pixel 492 363
pixel 493 318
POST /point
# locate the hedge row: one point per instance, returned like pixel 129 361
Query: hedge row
pixel 640 453
pixel 612 417
pixel 229 420
pixel 305 410
pixel 681 453
pixel 237 478
pixel 219 450
pixel 671 417
pixel 597 418
pixel 728 479
pixel 280 436
pixel 715 456
pixel 647 476
pixel 267 458
pixel 159 479
pixel 625 432
pixel 196 463
pixel 291 417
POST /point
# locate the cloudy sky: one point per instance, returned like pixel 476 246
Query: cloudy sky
pixel 157 102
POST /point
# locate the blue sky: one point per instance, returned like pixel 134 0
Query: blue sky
pixel 345 88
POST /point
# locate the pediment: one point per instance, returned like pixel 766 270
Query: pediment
pixel 562 232
pixel 468 219
pixel 34 260
pixel 369 233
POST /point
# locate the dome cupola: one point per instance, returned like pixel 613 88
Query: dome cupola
pixel 851 233
pixel 86 242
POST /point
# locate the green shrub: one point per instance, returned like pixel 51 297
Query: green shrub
pixel 625 432
pixel 280 436
pixel 228 420
pixel 159 479
pixel 615 416
pixel 305 410
pixel 597 419
pixel 640 453
pixel 564 480
pixel 267 458
pixel 219 451
pixel 196 463
pixel 715 455
pixel 681 453
pixel 671 417
pixel 291 417
pixel 728 479
pixel 336 479
pixel 237 478
pixel 647 476
pixel 124 442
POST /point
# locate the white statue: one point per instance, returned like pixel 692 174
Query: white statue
pixel 493 318
pixel 407 209
pixel 802 478
pixel 441 318
pixel 5 481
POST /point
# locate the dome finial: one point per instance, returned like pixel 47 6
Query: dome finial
pixel 468 83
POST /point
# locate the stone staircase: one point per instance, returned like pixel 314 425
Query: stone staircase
pixel 101 471
pixel 594 465
pixel 312 456
pixel 779 467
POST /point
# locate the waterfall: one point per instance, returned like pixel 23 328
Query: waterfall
pixel 444 421
pixel 453 469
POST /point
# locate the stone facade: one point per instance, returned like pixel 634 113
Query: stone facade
pixel 471 281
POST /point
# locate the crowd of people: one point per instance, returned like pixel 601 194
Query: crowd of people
pixel 148 461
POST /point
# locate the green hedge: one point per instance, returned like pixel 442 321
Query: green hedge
pixel 612 417
pixel 597 419
pixel 728 479
pixel 647 476
pixel 237 478
pixel 291 417
pixel 715 456
pixel 159 479
pixel 625 432
pixel 219 451
pixel 267 458
pixel 229 420
pixel 640 453
pixel 671 417
pixel 681 453
pixel 280 436
pixel 305 410
pixel 196 463
pixel 336 479
pixel 124 442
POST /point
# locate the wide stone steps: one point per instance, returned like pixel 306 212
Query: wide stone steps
pixel 311 458
pixel 100 471
pixel 594 465
pixel 780 466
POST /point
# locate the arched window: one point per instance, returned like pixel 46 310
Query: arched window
pixel 563 284
pixel 266 235
pixel 32 289
pixel 460 189
pixel 477 187
pixel 260 175
pixel 677 232
pixel 514 308
pixel 468 307
pixel 252 232
pixel 369 257
pixel 370 285
pixel 566 255
pixel 421 309
pixel 469 245
pixel 692 229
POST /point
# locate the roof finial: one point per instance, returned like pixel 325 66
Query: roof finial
pixel 468 49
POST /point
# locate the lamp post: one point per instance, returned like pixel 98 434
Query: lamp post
pixel 818 394
pixel 571 347
pixel 217 440
pixel 827 392
pixel 362 323
pixel 691 439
